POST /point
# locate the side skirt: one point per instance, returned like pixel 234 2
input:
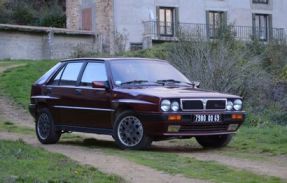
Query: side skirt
pixel 104 131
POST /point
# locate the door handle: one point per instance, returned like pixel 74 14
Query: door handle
pixel 78 91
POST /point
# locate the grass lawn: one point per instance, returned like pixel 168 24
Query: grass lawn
pixel 20 162
pixel 6 126
pixel 16 82
pixel 270 140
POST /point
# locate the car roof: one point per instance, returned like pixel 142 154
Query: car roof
pixel 112 59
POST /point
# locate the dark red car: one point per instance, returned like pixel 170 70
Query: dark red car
pixel 135 100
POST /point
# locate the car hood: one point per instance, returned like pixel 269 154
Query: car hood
pixel 174 92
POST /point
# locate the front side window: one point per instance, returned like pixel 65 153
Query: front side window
pixel 166 21
pixel 71 73
pixel 261 26
pixel 94 72
pixel 216 19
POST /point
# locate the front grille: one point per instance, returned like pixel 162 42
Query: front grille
pixel 192 104
pixel 204 128
pixel 215 104
pixel 203 104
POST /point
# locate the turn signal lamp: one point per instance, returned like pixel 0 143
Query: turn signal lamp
pixel 174 118
pixel 237 116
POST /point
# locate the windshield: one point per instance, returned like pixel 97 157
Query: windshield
pixel 144 71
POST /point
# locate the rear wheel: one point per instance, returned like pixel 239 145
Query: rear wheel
pixel 214 141
pixel 129 132
pixel 45 128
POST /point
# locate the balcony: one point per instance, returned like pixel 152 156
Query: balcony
pixel 161 31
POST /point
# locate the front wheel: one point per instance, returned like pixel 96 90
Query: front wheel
pixel 129 132
pixel 214 141
pixel 45 128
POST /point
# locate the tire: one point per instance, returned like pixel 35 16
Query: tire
pixel 214 141
pixel 45 128
pixel 129 132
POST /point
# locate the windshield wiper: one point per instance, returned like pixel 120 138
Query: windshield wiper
pixel 165 81
pixel 134 82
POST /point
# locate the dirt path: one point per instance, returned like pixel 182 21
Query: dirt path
pixel 8 108
pixel 10 112
pixel 277 167
pixel 257 167
pixel 129 171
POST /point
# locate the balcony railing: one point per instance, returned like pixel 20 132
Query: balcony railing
pixel 168 32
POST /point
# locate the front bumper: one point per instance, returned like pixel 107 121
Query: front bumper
pixel 158 125
pixel 32 110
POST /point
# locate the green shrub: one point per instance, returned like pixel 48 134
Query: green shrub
pixel 52 15
pixel 33 12
pixel 159 51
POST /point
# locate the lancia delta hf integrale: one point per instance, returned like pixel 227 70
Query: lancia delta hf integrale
pixel 135 100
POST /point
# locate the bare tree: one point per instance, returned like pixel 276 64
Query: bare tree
pixel 222 64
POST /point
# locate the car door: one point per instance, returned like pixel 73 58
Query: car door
pixel 63 88
pixel 95 103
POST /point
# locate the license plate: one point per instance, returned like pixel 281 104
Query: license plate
pixel 206 118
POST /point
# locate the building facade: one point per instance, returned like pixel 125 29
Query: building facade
pixel 150 21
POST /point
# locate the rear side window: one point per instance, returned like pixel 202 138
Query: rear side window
pixel 70 74
pixel 94 72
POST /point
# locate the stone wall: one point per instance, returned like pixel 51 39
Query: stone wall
pixel 27 42
pixel 102 18
pixel 105 23
pixel 73 13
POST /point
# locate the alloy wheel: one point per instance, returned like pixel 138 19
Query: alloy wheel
pixel 130 131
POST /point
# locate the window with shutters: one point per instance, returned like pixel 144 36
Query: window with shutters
pixel 260 1
pixel 215 21
pixel 261 26
pixel 166 21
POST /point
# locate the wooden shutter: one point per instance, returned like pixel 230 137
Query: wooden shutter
pixel 176 20
pixel 87 19
pixel 207 24
pixel 254 26
pixel 157 23
pixel 270 28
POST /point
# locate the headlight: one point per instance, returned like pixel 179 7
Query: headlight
pixel 165 105
pixel 229 105
pixel 174 106
pixel 237 104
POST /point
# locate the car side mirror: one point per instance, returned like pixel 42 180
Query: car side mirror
pixel 196 84
pixel 100 84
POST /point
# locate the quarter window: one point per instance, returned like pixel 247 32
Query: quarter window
pixel 71 73
pixel 94 72
pixel 58 77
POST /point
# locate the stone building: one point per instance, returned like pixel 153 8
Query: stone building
pixel 147 22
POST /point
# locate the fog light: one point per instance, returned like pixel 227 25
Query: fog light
pixel 237 116
pixel 232 127
pixel 173 128
pixel 174 117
